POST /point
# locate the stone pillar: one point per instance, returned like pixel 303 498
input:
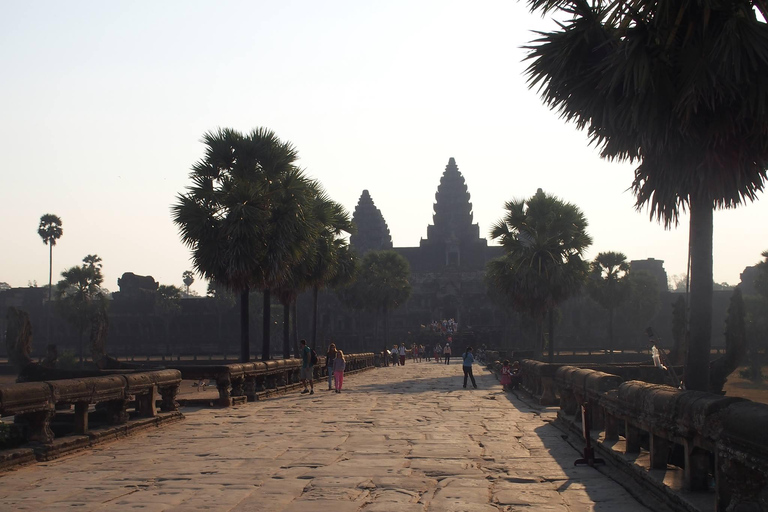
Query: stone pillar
pixel 611 427
pixel 237 386
pixel 117 411
pixel 222 384
pixel 169 403
pixel 38 425
pixel 146 405
pixel 249 388
pixel 548 392
pixel 696 468
pixel 738 487
pixel 633 436
pixel 81 417
pixel 659 449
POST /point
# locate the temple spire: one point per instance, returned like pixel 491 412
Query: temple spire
pixel 372 231
pixel 453 210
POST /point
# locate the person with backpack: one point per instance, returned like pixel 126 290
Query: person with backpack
pixel 307 367
pixel 329 357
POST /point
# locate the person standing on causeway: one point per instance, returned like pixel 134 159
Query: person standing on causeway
pixel 307 369
pixel 467 367
pixel 338 370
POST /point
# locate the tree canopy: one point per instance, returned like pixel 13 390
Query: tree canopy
pixel 544 238
pixel 682 89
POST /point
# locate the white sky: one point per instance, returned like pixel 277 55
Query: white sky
pixel 103 104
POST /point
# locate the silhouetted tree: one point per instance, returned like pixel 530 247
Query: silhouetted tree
pixel 608 285
pixel 188 277
pixel 679 88
pixel 50 230
pixel 543 238
pixel 80 296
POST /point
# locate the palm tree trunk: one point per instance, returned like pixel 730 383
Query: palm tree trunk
pixel 314 317
pixel 50 270
pixel 294 318
pixel 245 343
pixel 551 357
pixel 266 325
pixel 286 330
pixel 610 333
pixel 539 336
pixel 697 359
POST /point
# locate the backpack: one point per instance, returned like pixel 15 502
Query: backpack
pixel 313 357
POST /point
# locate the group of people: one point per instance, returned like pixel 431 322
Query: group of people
pixel 445 326
pixel 335 362
pixel 418 353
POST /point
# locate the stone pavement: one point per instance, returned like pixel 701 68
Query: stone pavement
pixel 396 439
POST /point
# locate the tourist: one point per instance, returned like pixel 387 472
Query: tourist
pixel 395 356
pixel 447 352
pixel 515 375
pixel 415 351
pixel 329 356
pixel 506 374
pixel 402 354
pixel 421 352
pixel 338 370
pixel 466 365
pixel 307 369
pixel 438 352
pixel 428 353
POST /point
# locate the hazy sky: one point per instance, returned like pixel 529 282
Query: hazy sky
pixel 103 104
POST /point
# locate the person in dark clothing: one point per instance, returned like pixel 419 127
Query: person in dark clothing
pixel 466 365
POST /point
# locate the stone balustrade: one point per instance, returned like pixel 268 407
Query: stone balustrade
pixel 34 404
pixel 713 438
pixel 248 381
pixel 539 380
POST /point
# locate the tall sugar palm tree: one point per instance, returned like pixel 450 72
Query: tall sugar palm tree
pixel 680 88
pixel 290 232
pixel 609 285
pixel 50 230
pixel 324 260
pixel 226 215
pixel 544 239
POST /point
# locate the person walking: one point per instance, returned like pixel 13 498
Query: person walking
pixel 307 368
pixel 339 363
pixel 402 354
pixel 329 357
pixel 438 352
pixel 466 365
pixel 447 352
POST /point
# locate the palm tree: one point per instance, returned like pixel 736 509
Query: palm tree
pixel 609 285
pixel 290 231
pixel 544 238
pixel 188 277
pixel 50 230
pixel 80 296
pixel 225 217
pixel 679 88
pixel 325 260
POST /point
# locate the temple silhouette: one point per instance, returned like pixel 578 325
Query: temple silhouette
pixel 447 268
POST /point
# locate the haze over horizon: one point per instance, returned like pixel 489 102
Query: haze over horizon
pixel 104 106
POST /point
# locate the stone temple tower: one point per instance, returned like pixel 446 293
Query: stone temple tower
pixel 372 231
pixel 453 240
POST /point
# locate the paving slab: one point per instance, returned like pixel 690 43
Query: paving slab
pixel 407 439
